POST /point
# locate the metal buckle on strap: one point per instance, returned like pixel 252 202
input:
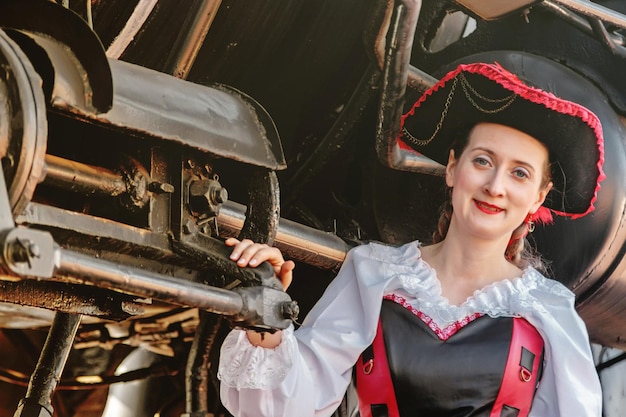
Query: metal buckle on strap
pixel 525 375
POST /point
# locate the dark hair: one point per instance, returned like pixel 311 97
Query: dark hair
pixel 519 251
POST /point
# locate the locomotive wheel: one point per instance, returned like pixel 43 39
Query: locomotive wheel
pixel 23 123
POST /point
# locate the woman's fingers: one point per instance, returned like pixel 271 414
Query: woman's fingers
pixel 285 274
pixel 248 253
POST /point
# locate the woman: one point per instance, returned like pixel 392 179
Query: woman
pixel 454 314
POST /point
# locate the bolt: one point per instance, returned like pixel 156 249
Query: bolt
pixel 161 187
pixel 219 194
pixel 189 227
pixel 206 195
pixel 34 251
pixel 20 250
pixel 290 310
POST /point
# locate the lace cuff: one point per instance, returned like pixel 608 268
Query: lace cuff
pixel 243 365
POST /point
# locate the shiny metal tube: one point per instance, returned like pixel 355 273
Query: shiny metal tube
pixel 299 242
pixel 82 178
pixel 146 284
pixel 197 24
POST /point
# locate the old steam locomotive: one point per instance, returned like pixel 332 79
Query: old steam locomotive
pixel 136 134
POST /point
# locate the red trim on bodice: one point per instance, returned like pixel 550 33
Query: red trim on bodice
pixel 442 334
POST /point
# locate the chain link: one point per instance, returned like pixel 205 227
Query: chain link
pixel 467 89
pixel 469 92
pixel 423 142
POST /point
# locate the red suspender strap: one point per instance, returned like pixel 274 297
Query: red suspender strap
pixel 522 372
pixel 373 381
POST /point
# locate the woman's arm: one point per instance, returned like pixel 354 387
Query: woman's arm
pixel 570 384
pixel 307 373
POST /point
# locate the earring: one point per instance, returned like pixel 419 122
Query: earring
pixel 530 224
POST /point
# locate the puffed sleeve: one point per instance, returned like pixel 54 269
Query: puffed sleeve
pixel 570 385
pixel 308 373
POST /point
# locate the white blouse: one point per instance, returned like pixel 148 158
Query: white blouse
pixel 308 373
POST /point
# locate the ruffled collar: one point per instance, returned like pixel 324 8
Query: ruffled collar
pixel 411 278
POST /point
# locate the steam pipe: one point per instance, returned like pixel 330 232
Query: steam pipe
pixel 83 178
pixel 306 244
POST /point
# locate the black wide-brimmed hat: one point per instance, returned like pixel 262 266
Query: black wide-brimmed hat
pixel 482 92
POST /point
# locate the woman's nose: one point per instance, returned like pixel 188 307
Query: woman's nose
pixel 495 185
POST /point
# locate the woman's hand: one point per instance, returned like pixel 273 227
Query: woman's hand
pixel 247 253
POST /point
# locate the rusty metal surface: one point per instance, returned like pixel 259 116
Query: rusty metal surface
pixel 91 229
pixel 70 298
pixel 83 178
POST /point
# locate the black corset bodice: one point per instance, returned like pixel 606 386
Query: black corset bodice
pixel 456 377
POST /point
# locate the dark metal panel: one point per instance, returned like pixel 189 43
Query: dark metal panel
pixel 61 26
pixel 218 120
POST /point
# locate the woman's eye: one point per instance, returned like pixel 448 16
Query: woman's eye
pixel 479 160
pixel 520 173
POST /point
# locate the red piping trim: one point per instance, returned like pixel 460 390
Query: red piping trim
pixel 443 334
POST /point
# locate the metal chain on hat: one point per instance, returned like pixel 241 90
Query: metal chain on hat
pixel 468 90
pixel 423 142
pixel 508 100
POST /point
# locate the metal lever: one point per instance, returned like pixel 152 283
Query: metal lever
pixel 33 253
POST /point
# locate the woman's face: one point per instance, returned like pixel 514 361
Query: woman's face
pixel 497 181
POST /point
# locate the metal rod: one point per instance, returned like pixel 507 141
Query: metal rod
pixel 89 16
pixel 302 243
pixel 595 10
pixel 53 357
pixel 395 78
pixel 51 362
pixel 417 79
pixel 197 370
pixel 146 284
pixel 133 25
pixel 82 178
pixel 574 19
pixel 69 298
pixel 197 24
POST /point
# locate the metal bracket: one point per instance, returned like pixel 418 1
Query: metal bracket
pixel 28 252
pixel 265 309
